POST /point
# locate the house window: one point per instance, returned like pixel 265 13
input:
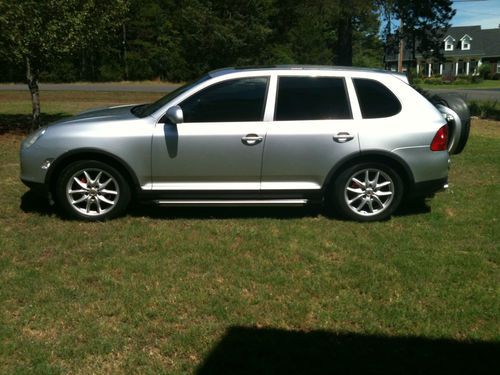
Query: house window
pixel 466 42
pixel 498 67
pixel 448 43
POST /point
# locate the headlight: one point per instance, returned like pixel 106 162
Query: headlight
pixel 33 137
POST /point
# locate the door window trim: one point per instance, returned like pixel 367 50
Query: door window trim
pixel 215 81
pixel 346 90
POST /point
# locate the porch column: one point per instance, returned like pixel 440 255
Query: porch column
pixel 467 67
pixel 430 70
pixel 418 68
pixel 456 68
pixel 441 69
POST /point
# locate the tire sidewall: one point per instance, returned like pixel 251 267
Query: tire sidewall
pixel 68 209
pixel 337 199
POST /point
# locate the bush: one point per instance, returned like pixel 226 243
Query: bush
pixel 475 108
pixel 485 110
pixel 433 80
pixel 485 71
pixel 475 79
pixel 110 73
pixel 496 77
pixel 61 71
pixel 461 80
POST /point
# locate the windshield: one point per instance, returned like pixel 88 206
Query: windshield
pixel 149 109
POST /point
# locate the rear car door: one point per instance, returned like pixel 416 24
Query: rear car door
pixel 312 129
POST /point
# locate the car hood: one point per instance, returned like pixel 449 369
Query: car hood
pixel 116 113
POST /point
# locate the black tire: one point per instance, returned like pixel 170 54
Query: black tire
pixel 91 190
pixel 459 106
pixel 376 206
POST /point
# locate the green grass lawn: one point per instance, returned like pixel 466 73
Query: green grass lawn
pixel 249 291
pixel 486 84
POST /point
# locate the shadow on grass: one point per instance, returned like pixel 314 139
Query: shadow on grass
pixel 245 350
pixel 413 207
pixel 171 213
pixel 35 203
pixel 21 123
pixel 407 208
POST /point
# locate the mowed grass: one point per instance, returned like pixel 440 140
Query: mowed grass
pixel 156 291
pixel 69 102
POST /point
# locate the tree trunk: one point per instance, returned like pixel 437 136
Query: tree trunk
pixel 414 52
pixel 32 79
pixel 124 42
pixel 344 35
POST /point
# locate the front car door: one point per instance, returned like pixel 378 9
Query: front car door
pixel 219 145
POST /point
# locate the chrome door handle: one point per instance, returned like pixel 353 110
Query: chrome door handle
pixel 251 139
pixel 343 137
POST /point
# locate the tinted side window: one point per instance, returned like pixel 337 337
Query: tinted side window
pixel 312 98
pixel 375 100
pixel 233 100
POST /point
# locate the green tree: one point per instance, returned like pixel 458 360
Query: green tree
pixel 357 23
pixel 333 32
pixel 421 24
pixel 36 33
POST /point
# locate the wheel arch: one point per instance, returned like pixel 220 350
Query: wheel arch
pixel 373 156
pixel 72 156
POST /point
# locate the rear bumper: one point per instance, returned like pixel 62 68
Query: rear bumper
pixel 428 188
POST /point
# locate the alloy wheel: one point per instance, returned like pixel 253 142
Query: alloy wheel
pixel 369 192
pixel 92 191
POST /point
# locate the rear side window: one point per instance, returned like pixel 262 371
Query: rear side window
pixel 232 100
pixel 375 100
pixel 312 98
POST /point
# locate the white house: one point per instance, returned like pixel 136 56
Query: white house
pixel 464 50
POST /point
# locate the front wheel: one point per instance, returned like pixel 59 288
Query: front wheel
pixel 92 190
pixel 367 192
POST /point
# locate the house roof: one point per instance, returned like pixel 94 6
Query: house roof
pixel 484 43
pixel 491 42
pixel 457 33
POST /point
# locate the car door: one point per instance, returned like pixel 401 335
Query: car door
pixel 219 145
pixel 313 129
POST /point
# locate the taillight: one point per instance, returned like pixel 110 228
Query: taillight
pixel 440 141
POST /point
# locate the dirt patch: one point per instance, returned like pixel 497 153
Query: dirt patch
pixel 485 128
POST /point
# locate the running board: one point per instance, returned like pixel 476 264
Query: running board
pixel 232 202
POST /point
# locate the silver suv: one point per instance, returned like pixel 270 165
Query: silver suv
pixel 357 140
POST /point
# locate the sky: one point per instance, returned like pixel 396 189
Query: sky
pixel 485 13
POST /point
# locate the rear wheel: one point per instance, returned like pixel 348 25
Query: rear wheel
pixel 367 192
pixel 92 190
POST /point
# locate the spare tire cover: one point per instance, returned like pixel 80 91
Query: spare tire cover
pixel 460 127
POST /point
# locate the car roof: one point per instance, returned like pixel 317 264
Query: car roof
pixel 228 70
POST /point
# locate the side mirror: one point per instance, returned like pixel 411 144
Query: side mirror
pixel 174 115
